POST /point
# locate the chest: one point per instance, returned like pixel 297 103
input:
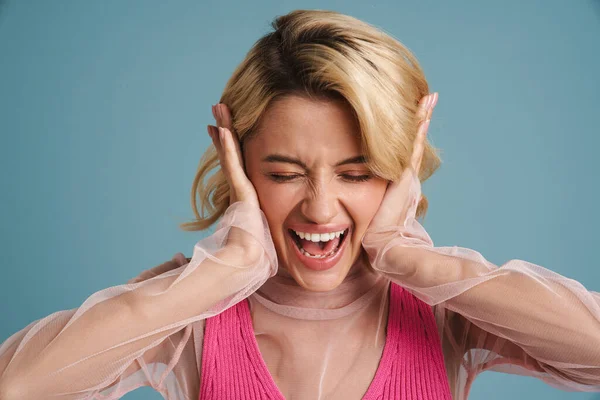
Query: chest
pixel 321 359
pixel 380 350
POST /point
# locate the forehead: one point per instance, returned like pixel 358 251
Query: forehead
pixel 309 128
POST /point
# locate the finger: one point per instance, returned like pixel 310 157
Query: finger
pixel 217 114
pixel 426 108
pixel 225 163
pixel 213 132
pixel 424 104
pixel 180 259
pixel 232 160
pixel 227 146
pixel 224 116
pixel 419 147
pixel 219 143
pixel 227 122
pixel 434 99
pixel 214 112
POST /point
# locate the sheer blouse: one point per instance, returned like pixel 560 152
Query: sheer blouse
pixel 518 318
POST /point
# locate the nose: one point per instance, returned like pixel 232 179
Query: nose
pixel 320 204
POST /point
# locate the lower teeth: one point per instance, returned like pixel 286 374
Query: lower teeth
pixel 306 253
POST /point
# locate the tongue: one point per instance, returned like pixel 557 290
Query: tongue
pixel 315 249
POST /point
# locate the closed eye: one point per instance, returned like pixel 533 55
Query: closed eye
pixel 357 178
pixel 347 177
pixel 283 178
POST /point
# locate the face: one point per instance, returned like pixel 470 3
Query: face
pixel 309 173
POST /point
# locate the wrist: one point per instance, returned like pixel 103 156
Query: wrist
pixel 237 254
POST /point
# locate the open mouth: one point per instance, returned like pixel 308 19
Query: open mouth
pixel 319 250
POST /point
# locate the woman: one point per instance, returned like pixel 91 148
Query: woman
pixel 319 282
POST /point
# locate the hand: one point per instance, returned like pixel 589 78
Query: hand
pixel 230 157
pixel 402 197
pixel 251 241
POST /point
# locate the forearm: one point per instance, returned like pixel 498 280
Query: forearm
pixel 89 348
pixel 172 300
pixel 56 363
pixel 552 317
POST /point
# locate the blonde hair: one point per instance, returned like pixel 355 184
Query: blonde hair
pixel 324 54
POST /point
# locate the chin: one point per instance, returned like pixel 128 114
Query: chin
pixel 319 281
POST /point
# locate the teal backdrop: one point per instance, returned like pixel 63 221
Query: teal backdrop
pixel 104 104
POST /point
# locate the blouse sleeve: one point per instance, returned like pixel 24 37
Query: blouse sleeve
pixel 107 347
pixel 518 318
pixel 171 367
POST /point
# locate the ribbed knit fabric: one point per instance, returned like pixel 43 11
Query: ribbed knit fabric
pixel 411 367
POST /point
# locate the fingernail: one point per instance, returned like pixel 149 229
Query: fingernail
pixel 213 112
pixel 435 99
pixel 220 112
pixel 221 133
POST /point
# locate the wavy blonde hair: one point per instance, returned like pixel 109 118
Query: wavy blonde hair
pixel 324 54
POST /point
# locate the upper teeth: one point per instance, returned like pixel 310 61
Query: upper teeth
pixel 319 237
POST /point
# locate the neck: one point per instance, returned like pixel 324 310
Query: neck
pixel 282 289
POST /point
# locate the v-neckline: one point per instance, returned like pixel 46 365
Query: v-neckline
pixel 389 352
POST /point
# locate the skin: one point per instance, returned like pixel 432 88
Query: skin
pixel 318 133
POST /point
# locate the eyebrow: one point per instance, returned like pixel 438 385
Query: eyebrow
pixel 275 158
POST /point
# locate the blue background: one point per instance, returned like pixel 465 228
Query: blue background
pixel 104 106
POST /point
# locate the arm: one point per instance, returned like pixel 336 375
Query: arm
pixel 77 353
pixel 519 314
pixel 172 368
pixel 519 318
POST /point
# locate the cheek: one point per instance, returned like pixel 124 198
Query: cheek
pixel 270 194
pixel 275 201
pixel 364 203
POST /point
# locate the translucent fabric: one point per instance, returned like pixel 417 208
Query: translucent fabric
pixel 145 332
pixel 518 318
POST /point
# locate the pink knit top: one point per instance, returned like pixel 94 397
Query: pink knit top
pixel 411 367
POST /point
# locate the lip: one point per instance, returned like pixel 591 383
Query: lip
pixel 320 264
